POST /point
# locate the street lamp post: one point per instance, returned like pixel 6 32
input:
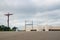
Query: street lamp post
pixel 8 18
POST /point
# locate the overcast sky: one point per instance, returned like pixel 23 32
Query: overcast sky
pixel 36 10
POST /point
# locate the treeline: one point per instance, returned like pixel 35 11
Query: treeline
pixel 5 28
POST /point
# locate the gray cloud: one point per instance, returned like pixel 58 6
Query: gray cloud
pixel 30 9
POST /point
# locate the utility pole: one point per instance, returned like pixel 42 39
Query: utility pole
pixel 25 25
pixel 32 25
pixel 46 26
pixel 8 15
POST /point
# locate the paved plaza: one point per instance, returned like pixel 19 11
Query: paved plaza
pixel 30 35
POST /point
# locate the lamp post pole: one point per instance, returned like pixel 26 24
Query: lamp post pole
pixel 8 15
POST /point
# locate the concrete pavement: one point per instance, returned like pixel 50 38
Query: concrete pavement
pixel 29 35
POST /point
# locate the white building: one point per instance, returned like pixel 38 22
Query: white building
pixel 40 28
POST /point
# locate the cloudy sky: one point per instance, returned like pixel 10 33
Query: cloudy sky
pixel 40 11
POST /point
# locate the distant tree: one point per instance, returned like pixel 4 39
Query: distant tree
pixel 0 28
pixel 4 28
pixel 7 29
pixel 14 28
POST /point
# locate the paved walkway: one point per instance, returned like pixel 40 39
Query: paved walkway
pixel 29 35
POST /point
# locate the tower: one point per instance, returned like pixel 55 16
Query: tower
pixel 28 24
